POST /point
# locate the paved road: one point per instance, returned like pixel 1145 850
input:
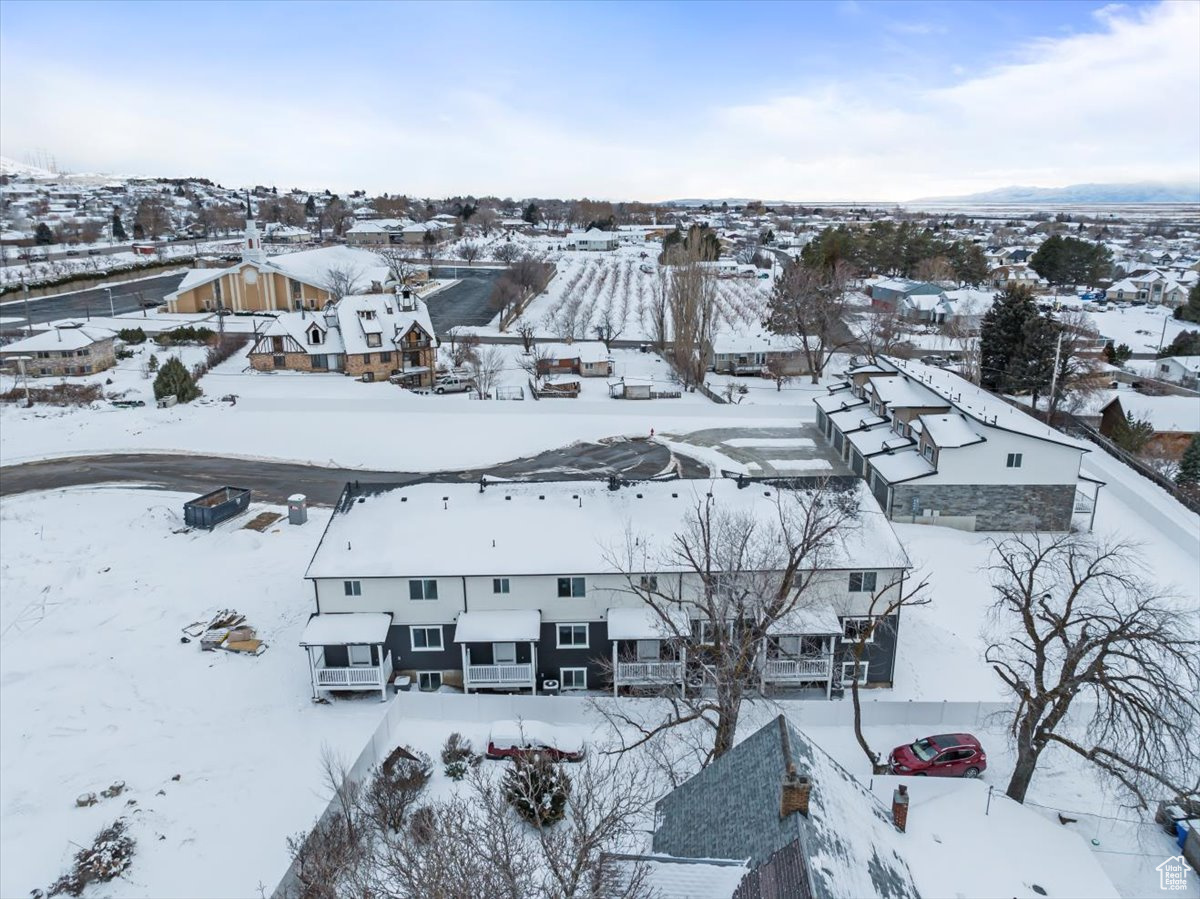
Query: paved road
pixel 465 303
pixel 275 481
pixel 126 298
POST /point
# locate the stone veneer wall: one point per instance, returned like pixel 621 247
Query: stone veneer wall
pixel 996 507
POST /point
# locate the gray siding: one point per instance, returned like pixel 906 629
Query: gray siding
pixel 551 658
pixel 880 654
pixel 403 656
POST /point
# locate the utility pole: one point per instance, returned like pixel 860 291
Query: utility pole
pixel 1054 374
pixel 1163 337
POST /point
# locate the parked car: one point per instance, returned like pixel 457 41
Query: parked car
pixel 513 739
pixel 93 252
pixel 943 755
pixel 72 252
pixel 452 384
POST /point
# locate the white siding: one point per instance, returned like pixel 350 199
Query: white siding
pixel 986 463
pixel 391 595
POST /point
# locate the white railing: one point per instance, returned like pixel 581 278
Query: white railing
pixel 797 669
pixel 648 672
pixel 482 675
pixel 354 676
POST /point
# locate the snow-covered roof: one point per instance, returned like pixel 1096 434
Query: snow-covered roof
pixel 729 341
pixel 379 313
pixel 342 628
pixel 951 430
pixel 505 626
pixel 877 439
pixel 586 351
pixel 677 878
pixel 902 465
pixel 313 266
pixel 564 737
pixel 644 623
pixel 957 844
pixel 60 338
pixel 1166 414
pixel 900 393
pixel 1189 363
pixel 855 418
pixel 298 325
pixel 836 402
pixel 562 527
pixel 807 619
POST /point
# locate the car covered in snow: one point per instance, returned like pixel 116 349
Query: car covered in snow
pixel 943 755
pixel 522 739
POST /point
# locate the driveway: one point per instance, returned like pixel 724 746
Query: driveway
pixel 769 452
pixel 276 481
pixel 464 303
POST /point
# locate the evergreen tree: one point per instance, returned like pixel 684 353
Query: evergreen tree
pixel 1117 355
pixel 1189 464
pixel 1069 260
pixel 175 380
pixel 1002 335
pixel 1033 369
pixel 1132 434
pixel 1186 343
pixel 1190 311
pixel 42 234
pixel 310 207
pixel 531 214
pixel 118 229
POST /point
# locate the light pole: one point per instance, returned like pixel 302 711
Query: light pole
pixel 111 308
pixel 25 297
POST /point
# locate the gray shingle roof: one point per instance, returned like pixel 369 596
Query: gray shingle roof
pixel 731 810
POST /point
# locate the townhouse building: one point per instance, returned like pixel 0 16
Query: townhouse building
pixel 517 587
pixel 935 448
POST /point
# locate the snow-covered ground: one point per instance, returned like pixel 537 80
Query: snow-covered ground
pixel 97 687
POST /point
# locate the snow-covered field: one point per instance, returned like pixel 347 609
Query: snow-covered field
pixel 97 687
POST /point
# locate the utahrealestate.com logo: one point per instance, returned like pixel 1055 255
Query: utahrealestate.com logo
pixel 1172 874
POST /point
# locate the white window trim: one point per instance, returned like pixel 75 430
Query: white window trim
pixel 587 635
pixel 863 670
pixel 350 655
pixel 511 643
pixel 562 681
pixel 845 639
pixel 705 624
pixel 422 581
pixel 571 594
pixel 412 643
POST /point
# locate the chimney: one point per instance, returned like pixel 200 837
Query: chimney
pixel 900 807
pixel 796 792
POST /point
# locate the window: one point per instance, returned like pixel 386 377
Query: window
pixel 374 340
pixel 1014 460
pixel 320 361
pixel 648 650
pixel 366 361
pixel 862 581
pixel 708 631
pixel 422 589
pixel 927 451
pixel 295 288
pixel 427 638
pixel 42 354
pixel 315 335
pixel 298 304
pixel 504 653
pixel 572 636
pixel 352 588
pixel 429 680
pixel 849 671
pixel 572 586
pixel 649 582
pixel 572 678
pixel 499 585
pixel 385 357
pixel 360 654
pixel 854 628
pixel 279 361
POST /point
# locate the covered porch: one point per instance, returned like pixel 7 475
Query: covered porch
pixel 646 650
pixel 346 651
pixel 798 649
pixel 499 649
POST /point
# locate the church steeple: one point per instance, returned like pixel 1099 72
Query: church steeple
pixel 252 250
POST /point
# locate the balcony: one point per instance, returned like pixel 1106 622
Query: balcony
pixel 354 677
pixel 499 676
pixel 792 671
pixel 630 674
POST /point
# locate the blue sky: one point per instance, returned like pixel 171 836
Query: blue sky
pixel 846 100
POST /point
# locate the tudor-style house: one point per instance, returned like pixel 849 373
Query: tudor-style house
pixel 936 449
pixel 516 587
pixel 288 282
pixel 375 337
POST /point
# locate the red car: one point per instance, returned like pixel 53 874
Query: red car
pixel 510 739
pixel 944 755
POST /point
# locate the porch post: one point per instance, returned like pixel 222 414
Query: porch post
pixel 683 670
pixel 312 671
pixel 762 667
pixel 615 685
pixel 383 678
pixel 533 666
pixel 466 664
pixel 829 677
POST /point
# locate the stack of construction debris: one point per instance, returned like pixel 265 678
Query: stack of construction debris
pixel 226 630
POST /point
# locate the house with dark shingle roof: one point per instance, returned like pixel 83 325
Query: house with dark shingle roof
pixel 802 825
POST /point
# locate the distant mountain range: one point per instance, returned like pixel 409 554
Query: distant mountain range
pixel 1078 194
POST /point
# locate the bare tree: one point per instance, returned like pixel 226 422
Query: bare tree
pixel 937 269
pixel 881 615
pixel 401 269
pixel 659 294
pixel 342 281
pixel 486 217
pixel 692 303
pixel 1099 662
pixel 525 331
pixel 809 306
pixel 429 249
pixel 1078 374
pixel 507 253
pixel 881 332
pixel 469 251
pixel 739 575
pixel 778 370
pixel 535 364
pixel 609 327
pixel 484 369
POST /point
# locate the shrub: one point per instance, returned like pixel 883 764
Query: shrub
pixel 124 354
pixel 538 789
pixel 395 786
pixel 423 825
pixel 458 755
pixel 132 336
pixel 58 395
pixel 175 380
pixel 152 363
pixel 109 857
